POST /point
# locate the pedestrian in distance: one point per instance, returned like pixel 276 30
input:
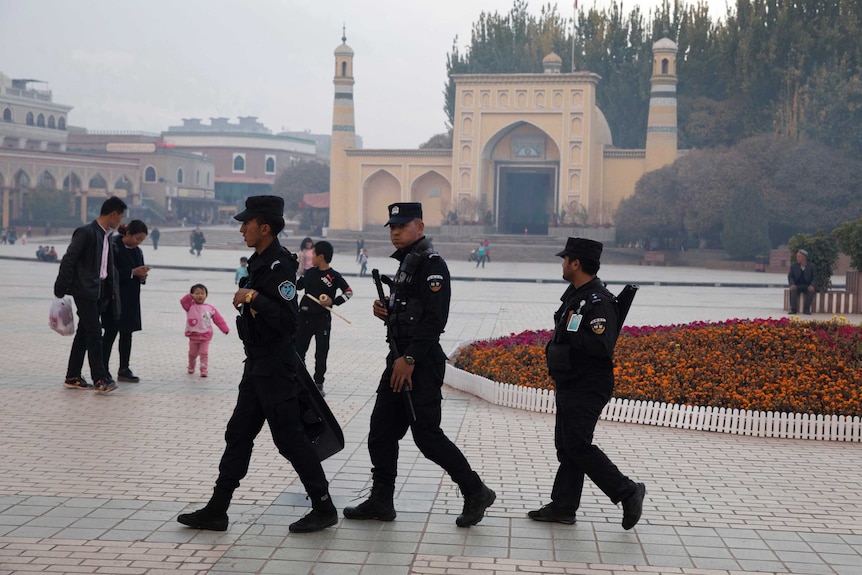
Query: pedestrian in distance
pixel 580 361
pixel 131 274
pixel 241 271
pixel 268 389
pixel 415 313
pixel 321 282
pixel 155 236
pixel 360 245
pixel 88 274
pixel 200 317
pixel 306 255
pixel 363 263
pixel 197 241
pixel 480 255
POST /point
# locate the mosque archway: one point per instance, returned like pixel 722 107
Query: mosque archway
pixel 434 192
pixel 379 190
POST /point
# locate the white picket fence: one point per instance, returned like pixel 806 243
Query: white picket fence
pixel 718 419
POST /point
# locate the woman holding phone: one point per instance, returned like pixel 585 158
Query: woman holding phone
pixel 132 273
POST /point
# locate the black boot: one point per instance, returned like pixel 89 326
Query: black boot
pixel 633 506
pixel 475 504
pixel 378 506
pixel 213 516
pixel 322 515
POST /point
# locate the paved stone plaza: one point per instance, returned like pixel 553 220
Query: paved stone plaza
pixel 93 484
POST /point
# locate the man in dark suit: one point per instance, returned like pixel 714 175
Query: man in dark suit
pixel 87 273
pixel 801 278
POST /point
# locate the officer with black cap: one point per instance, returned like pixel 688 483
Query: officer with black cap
pixel 417 311
pixel 268 389
pixel 580 361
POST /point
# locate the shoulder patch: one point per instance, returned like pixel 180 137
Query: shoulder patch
pixel 287 290
pixel 595 298
pixel 435 282
pixel 598 325
pixel 275 264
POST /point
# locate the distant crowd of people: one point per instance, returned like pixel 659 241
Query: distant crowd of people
pixel 46 254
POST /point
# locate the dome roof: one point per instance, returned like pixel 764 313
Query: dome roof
pixel 552 58
pixel 344 50
pixel 665 44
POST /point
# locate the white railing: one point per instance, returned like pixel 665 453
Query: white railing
pixel 718 419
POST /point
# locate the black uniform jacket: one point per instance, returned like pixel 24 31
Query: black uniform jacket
pixel 585 333
pixel 79 268
pixel 419 305
pixel 268 324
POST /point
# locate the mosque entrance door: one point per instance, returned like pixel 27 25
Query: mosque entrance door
pixel 525 200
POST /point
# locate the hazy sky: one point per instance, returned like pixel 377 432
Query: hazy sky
pixel 146 64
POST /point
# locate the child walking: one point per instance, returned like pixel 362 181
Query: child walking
pixel 200 317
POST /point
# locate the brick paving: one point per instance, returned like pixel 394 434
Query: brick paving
pixel 92 484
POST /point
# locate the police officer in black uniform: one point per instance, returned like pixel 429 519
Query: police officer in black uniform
pixel 417 311
pixel 268 389
pixel 580 361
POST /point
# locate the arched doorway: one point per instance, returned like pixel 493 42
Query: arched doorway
pixel 380 190
pixel 522 164
pixel 434 192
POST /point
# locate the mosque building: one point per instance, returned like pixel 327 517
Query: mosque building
pixel 528 150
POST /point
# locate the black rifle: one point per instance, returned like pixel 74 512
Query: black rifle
pixel 393 348
pixel 624 300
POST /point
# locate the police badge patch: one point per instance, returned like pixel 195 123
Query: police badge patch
pixel 287 290
pixel 598 325
pixel 435 282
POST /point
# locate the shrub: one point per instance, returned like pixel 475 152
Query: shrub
pixel 822 249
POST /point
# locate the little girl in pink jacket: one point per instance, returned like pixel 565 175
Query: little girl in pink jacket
pixel 200 317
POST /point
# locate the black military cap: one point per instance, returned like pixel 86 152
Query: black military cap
pixel 404 212
pixel 269 207
pixel 582 248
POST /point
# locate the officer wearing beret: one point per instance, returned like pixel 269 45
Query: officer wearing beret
pixel 580 361
pixel 268 389
pixel 417 311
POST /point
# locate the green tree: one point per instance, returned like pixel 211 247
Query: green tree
pixel 300 179
pixel 849 236
pixel 822 249
pixel 745 233
pixel 438 142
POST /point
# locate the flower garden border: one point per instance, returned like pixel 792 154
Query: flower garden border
pixel 700 418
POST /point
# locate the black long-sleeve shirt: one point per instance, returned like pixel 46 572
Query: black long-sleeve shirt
pixel 316 282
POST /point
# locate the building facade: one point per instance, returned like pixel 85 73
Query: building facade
pixel 529 151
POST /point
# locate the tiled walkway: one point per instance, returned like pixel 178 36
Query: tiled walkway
pixel 92 484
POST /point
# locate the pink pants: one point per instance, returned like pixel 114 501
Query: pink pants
pixel 199 347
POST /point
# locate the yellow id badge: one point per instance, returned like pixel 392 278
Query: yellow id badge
pixel 574 322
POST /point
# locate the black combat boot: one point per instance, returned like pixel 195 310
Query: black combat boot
pixel 378 506
pixel 476 501
pixel 633 506
pixel 213 516
pixel 322 515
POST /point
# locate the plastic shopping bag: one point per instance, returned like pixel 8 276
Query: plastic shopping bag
pixel 60 318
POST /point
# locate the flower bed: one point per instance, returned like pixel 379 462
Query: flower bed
pixel 758 365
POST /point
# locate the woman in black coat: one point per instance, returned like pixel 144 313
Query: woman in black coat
pixel 132 273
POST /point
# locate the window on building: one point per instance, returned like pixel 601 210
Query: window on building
pixel 40 121
pixel 30 119
pixel 270 164
pixel 7 115
pixel 150 174
pixel 51 123
pixel 198 177
pixel 239 162
pixel 208 179
pixel 664 66
pixel 180 176
pixel 61 123
pixel 344 68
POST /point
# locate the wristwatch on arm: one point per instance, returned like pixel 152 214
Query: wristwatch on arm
pixel 409 360
pixel 249 297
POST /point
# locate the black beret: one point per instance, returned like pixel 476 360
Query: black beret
pixel 582 248
pixel 404 212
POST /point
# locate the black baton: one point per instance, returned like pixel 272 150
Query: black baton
pixel 375 274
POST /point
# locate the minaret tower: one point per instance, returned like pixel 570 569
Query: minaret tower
pixel 343 135
pixel 661 139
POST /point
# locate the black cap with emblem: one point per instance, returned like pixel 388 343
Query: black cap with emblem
pixel 270 208
pixel 404 213
pixel 582 248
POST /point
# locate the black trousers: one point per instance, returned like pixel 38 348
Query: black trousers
pixel 318 326
pixel 801 289
pixel 391 419
pixel 125 346
pixel 579 406
pixel 88 339
pixel 269 397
